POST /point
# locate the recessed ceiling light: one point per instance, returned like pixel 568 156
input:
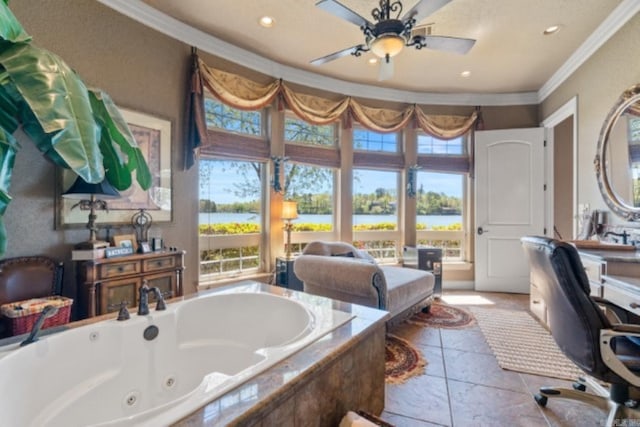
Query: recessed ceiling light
pixel 267 21
pixel 372 61
pixel 465 74
pixel 551 30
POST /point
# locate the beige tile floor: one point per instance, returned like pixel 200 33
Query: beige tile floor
pixel 464 386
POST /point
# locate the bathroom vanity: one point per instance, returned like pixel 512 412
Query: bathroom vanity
pixel 613 275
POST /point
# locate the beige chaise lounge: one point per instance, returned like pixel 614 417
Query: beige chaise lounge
pixel 340 271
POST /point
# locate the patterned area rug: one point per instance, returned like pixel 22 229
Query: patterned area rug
pixel 521 344
pixel 402 360
pixel 443 316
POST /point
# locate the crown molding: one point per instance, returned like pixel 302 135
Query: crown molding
pixel 147 15
pixel 161 22
pixel 616 19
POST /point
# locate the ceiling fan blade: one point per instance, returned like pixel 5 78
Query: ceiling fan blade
pixel 447 44
pixel 339 54
pixel 342 11
pixel 385 72
pixel 423 8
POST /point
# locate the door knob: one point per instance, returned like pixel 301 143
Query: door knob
pixel 481 231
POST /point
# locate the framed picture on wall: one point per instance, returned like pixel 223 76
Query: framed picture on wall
pixel 153 136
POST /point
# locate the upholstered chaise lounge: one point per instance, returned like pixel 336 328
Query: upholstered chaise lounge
pixel 340 271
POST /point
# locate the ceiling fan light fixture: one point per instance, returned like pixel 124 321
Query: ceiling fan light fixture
pixel 387 44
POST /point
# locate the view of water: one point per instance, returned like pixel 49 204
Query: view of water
pixel 430 220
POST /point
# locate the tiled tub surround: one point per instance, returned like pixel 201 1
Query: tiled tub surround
pixel 134 365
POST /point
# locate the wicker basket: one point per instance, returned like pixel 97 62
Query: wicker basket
pixel 22 315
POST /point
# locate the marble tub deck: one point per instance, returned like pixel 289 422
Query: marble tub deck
pixel 342 371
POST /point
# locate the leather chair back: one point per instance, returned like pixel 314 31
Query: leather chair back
pixel 574 319
pixel 29 277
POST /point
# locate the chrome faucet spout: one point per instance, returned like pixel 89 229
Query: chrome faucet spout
pixel 47 312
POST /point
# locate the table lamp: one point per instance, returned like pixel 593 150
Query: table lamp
pixel 289 212
pixel 86 194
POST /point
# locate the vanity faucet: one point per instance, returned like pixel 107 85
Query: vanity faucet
pixel 624 235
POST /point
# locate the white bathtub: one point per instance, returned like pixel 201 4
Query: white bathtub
pixel 107 374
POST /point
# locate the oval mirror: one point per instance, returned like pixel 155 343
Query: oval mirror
pixel 617 161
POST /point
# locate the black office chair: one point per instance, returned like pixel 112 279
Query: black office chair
pixel 582 331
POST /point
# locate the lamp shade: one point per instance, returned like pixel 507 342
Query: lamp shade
pixel 82 189
pixel 289 209
pixel 387 44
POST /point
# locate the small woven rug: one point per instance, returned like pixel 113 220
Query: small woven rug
pixel 521 344
pixel 402 360
pixel 443 316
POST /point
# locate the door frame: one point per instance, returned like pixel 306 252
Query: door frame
pixel 568 109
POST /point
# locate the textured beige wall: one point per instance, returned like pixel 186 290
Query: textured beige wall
pixel 563 178
pixel 142 70
pixel 145 71
pixel 598 84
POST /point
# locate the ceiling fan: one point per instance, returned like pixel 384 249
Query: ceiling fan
pixel 391 33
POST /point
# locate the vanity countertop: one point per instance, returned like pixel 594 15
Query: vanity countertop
pixel 611 255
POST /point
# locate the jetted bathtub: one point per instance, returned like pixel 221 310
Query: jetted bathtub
pixel 109 374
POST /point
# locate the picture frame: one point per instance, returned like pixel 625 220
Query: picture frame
pixel 145 247
pixel 153 136
pixel 125 241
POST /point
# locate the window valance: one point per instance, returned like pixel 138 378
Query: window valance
pixel 239 92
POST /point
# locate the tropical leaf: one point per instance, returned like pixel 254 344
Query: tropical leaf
pixel 115 170
pixel 10 28
pixel 108 115
pixel 8 148
pixel 60 102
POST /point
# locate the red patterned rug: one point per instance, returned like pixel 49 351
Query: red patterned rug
pixel 402 360
pixel 443 316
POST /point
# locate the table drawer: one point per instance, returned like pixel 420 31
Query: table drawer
pixel 622 298
pixel 119 269
pixel 593 269
pixel 160 263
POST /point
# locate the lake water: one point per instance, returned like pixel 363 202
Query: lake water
pixel 430 220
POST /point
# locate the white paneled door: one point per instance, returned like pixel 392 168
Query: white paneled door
pixel 509 179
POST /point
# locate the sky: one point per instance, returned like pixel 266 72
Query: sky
pixel 450 184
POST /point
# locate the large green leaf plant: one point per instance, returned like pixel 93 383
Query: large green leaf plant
pixel 75 127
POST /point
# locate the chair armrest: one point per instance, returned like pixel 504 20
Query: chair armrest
pixel 342 274
pixel 609 356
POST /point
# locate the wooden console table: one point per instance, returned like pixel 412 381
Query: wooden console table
pixel 104 283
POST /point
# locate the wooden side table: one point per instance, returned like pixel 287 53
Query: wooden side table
pixel 104 283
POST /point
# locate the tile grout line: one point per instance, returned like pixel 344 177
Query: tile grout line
pixel 446 377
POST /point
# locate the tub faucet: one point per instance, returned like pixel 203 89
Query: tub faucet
pixel 143 304
pixel 47 312
pixel 624 235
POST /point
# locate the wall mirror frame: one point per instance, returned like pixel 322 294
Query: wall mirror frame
pixel 618 151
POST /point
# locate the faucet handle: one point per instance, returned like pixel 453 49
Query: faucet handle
pixel 123 314
pixel 160 304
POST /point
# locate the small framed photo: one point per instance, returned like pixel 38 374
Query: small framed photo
pixel 126 241
pixel 145 247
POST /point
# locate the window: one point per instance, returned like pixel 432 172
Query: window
pixel 296 130
pixel 366 140
pixel 439 212
pixel 375 212
pixel 313 188
pixel 230 217
pixel 428 144
pixel 221 116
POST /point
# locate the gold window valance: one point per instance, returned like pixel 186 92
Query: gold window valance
pixel 239 92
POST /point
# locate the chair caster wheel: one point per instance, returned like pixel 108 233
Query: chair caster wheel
pixel 540 400
pixel 579 386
